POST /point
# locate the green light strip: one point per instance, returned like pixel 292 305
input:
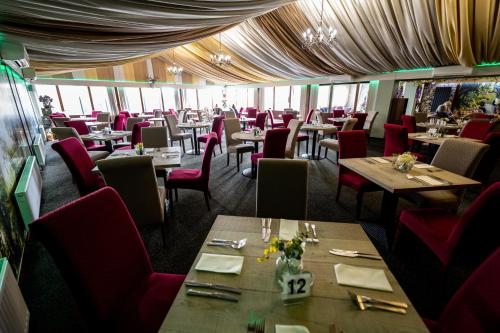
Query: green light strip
pixel 410 70
pixel 488 64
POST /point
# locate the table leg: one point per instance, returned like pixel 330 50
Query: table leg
pixel 195 150
pixel 312 155
pixel 109 145
pixel 248 171
pixel 388 215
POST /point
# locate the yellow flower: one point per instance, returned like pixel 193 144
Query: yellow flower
pixel 266 252
pixel 260 259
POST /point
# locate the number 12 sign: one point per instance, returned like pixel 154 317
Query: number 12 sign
pixel 296 286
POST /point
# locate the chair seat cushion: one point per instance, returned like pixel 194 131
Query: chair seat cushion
pixel 432 226
pixel 330 144
pixel 255 157
pixel 441 198
pixel 182 178
pixel 241 148
pixel 97 155
pixel 148 305
pixel 96 147
pixel 357 182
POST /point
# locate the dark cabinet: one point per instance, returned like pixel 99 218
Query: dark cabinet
pixel 397 109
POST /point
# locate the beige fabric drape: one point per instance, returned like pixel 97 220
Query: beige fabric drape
pixel 470 30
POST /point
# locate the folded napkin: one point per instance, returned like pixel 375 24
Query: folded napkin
pixel 451 136
pixel 429 180
pixel 220 263
pixel 380 160
pixel 288 229
pixel 422 166
pixel 362 277
pixel 291 329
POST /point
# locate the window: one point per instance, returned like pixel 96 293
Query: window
pixel 362 97
pixel 169 97
pixel 205 98
pixel 295 97
pixel 152 99
pixel 240 97
pixel 340 96
pixel 100 98
pixel 250 96
pixel 216 93
pixel 51 91
pixel 190 100
pixel 268 98
pixel 76 99
pixel 324 97
pixel 133 99
pixel 281 97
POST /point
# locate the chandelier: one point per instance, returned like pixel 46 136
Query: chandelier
pixel 220 59
pixel 310 39
pixel 174 69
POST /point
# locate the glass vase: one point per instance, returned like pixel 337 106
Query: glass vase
pixel 287 265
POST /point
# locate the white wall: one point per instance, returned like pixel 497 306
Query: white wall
pixel 410 92
pixel 379 99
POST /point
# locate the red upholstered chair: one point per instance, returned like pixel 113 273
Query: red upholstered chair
pixel 490 158
pixel 474 307
pixel 82 129
pixel 136 136
pixel 410 123
pixel 102 257
pixel 172 111
pixel 361 116
pixel 217 128
pixel 119 122
pixel 260 120
pixel 79 164
pixel 309 116
pixel 352 144
pixel 274 147
pixel 125 113
pixel 274 124
pixel 466 239
pixel 194 179
pixel 476 129
pixel 286 118
pixel 396 141
pixel 251 113
pixel 95 113
pixel 338 113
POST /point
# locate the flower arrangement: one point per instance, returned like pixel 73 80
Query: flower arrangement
pixel 291 249
pixel 404 162
pixel 139 148
pixel 46 101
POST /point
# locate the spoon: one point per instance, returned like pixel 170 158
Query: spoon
pixel 315 238
pixel 229 243
pixel 308 239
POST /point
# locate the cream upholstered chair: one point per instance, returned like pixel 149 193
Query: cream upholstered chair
pixel 62 133
pixel 175 132
pixel 370 118
pixel 231 126
pixel 135 180
pixel 294 125
pixel 282 188
pixel 229 114
pixel 181 116
pixel 155 137
pixel 59 121
pixel 131 121
pixel 334 144
pixel 103 117
pixel 457 156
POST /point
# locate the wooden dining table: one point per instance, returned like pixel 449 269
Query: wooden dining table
pixel 329 302
pixel 394 183
pixel 106 138
pixel 248 136
pixel 314 128
pixel 424 137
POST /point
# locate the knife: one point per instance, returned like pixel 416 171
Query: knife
pixel 213 286
pixel 356 255
pixel 212 294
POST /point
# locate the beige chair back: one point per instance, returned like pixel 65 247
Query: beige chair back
pixel 460 157
pixel 172 125
pixel 59 121
pixel 294 126
pixel 154 137
pixel 134 179
pixel 323 117
pixel 231 126
pixel 158 113
pixel 282 188
pixel 62 133
pixel 370 118
pixel 104 117
pixel 229 114
pixel 349 124
pixel 181 116
pixel 131 121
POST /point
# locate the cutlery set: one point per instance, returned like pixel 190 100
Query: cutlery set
pixel 213 294
pixel 365 302
pixel 235 244
pixel 315 237
pixel 266 229
pixel 354 254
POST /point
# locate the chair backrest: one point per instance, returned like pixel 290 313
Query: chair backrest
pixel 57 114
pixel 458 156
pixel 338 113
pixel 154 137
pixel 349 124
pixel 78 125
pixel 231 126
pixel 137 133
pixel 309 116
pixel 218 127
pixel 119 123
pixel 62 133
pixel 282 189
pixel 125 113
pixel 396 139
pixel 476 129
pixel 474 307
pixel 251 112
pixel 294 125
pixel 94 113
pixel 409 123
pixel 59 121
pixel 132 121
pixel 370 118
pixel 324 117
pixel 229 114
pixel 79 164
pixel 207 157
pixel 134 178
pixel 352 144
pixel 490 158
pixel 157 113
pixel 172 125
pixel 181 117
pixel 103 117
pixel 98 250
pixel 361 116
pixel 286 118
pixel 275 143
pixel 260 120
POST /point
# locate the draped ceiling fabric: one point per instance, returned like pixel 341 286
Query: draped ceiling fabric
pixel 263 37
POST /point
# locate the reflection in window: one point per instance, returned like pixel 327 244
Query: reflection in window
pixel 100 98
pixel 152 99
pixel 281 97
pixel 362 97
pixel 51 91
pixel 251 94
pixel 268 98
pixel 216 93
pixel 205 98
pixel 76 99
pixel 324 97
pixel 295 98
pixel 191 101
pixel 133 99
pixel 169 97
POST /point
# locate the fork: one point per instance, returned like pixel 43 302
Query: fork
pixel 259 327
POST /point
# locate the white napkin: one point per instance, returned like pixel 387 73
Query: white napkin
pixel 288 229
pixel 362 277
pixel 220 263
pixel 429 180
pixel 380 160
pixel 291 329
pixel 422 166
pixel 451 136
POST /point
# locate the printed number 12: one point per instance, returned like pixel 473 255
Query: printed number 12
pixel 300 290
